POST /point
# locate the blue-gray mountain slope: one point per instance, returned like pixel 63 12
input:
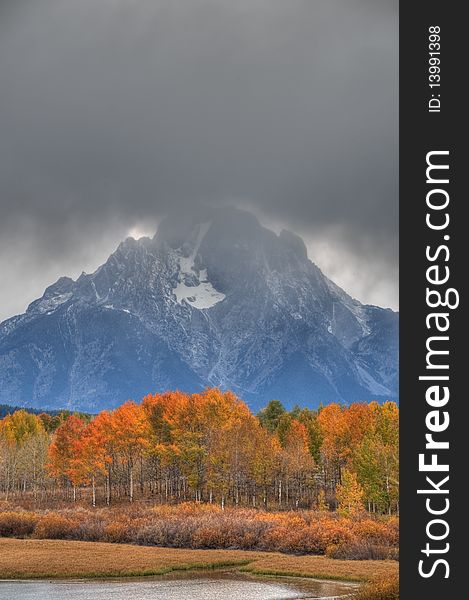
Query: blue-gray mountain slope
pixel 216 301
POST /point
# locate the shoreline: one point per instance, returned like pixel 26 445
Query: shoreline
pixel 30 559
pixel 180 574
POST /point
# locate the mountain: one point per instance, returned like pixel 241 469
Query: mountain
pixel 217 300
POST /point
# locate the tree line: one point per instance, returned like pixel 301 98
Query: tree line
pixel 208 447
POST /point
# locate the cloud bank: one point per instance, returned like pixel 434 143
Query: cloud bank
pixel 113 112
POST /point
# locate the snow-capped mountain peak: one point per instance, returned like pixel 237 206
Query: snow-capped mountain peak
pixel 212 300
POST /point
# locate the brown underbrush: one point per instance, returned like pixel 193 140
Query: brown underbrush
pixel 203 526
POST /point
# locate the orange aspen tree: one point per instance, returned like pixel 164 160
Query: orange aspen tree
pixel 130 436
pixel 62 451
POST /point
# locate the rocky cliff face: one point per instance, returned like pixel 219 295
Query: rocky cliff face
pixel 215 301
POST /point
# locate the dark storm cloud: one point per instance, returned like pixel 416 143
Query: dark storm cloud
pixel 114 111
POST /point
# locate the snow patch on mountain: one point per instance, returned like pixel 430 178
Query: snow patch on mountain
pixel 200 296
pixel 193 285
pixel 49 305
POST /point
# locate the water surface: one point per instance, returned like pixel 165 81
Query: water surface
pixel 200 586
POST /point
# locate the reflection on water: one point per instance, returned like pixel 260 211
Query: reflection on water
pixel 213 586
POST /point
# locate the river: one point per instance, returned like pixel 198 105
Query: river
pixel 200 586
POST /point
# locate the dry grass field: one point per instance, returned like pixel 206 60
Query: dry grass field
pixel 321 567
pixel 30 558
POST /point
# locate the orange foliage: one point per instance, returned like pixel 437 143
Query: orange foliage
pixel 17 524
pixel 195 525
pixel 62 451
pixel 53 526
pixel 209 447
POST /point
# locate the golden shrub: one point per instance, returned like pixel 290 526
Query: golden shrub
pixel 382 589
pixel 55 526
pixel 17 524
pixel 192 525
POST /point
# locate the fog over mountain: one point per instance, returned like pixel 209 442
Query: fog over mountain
pixel 213 299
pixel 113 112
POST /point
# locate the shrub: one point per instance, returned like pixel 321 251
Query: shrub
pixel 250 535
pixel 361 550
pixel 117 533
pixel 172 533
pixel 382 589
pixel 17 524
pixel 193 525
pixel 376 532
pixel 150 535
pixel 56 527
pixel 90 530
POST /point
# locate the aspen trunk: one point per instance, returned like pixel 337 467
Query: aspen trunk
pixel 93 484
pixel 131 485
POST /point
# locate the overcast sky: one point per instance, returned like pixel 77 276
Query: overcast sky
pixel 111 111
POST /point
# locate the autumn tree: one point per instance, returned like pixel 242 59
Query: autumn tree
pixel 23 441
pixel 376 458
pixel 129 429
pixel 334 448
pixel 209 447
pixel 162 452
pixel 297 462
pixel 309 418
pixel 91 455
pixel 350 494
pixel 265 467
pixel 62 452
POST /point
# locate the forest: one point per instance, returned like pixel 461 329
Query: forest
pixel 207 447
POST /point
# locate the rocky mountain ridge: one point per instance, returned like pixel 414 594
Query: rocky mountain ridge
pixel 216 300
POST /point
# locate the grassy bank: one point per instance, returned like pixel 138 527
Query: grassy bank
pixel 28 558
